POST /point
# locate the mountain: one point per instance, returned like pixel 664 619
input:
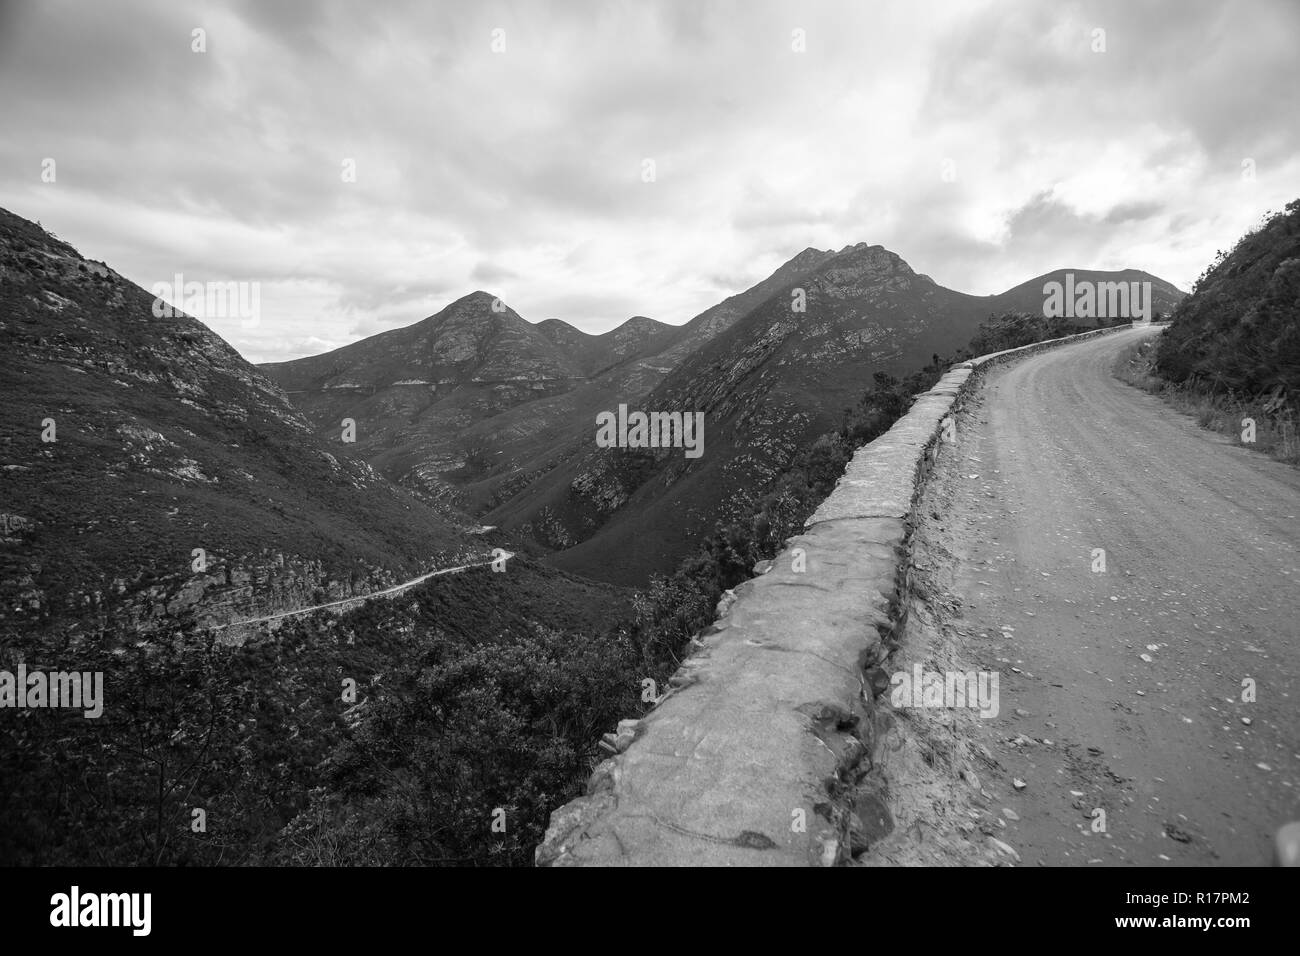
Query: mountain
pixel 715 320
pixel 518 450
pixel 432 419
pixel 1029 296
pixel 770 383
pixel 433 400
pixel 1239 330
pixel 166 441
pixel 638 336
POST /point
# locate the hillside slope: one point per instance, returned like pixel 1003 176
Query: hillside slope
pixel 1029 296
pixel 167 441
pixel 1239 330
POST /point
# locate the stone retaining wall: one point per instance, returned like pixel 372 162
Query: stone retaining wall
pixel 756 754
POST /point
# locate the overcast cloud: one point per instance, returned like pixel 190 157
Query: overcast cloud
pixel 520 172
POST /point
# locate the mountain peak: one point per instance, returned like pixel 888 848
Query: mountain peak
pixel 862 268
pixel 865 251
pixel 812 252
pixel 643 323
pixel 870 256
pixel 810 258
pixel 478 298
pixel 475 306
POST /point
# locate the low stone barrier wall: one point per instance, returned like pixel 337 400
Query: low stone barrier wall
pixel 755 755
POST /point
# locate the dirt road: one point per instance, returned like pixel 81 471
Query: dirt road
pixel 362 598
pixel 1121 690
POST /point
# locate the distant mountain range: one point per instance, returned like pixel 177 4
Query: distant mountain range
pixel 183 485
pixel 479 408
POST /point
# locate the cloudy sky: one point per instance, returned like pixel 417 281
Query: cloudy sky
pixel 504 146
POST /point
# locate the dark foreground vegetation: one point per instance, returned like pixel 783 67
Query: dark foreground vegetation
pixel 472 691
pixel 480 700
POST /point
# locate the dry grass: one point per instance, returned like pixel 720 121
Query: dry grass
pixel 1276 431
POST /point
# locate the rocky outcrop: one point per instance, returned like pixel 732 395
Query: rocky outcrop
pixel 761 753
pixel 229 592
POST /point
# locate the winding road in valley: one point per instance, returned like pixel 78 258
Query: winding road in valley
pixel 362 598
pixel 1121 689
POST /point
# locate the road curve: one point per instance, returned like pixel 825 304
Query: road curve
pixel 1123 687
pixel 362 598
